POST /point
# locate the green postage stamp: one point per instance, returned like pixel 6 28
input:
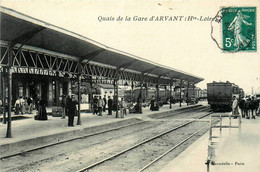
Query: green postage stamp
pixel 239 29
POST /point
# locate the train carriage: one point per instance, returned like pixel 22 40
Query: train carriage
pixel 220 95
pixel 203 94
pixel 164 95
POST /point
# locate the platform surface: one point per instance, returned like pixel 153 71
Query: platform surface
pixel 236 151
pixel 28 128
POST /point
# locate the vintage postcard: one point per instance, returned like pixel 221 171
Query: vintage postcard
pixel 147 81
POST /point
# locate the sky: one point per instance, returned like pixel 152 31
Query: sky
pixel 183 45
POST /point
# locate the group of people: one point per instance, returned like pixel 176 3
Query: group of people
pixel 99 106
pixel 69 107
pixel 23 105
pixel 248 106
pixel 26 105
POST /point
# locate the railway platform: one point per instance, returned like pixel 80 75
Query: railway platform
pixel 236 151
pixel 28 133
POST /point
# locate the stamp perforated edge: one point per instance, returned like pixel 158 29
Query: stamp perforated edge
pixel 257 31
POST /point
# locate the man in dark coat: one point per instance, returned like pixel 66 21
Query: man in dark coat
pixel 42 113
pixel 105 103
pixel 254 106
pixel 29 102
pixel 247 108
pixel 152 104
pixel 95 105
pixel 241 104
pixel 110 105
pixel 257 109
pixel 71 104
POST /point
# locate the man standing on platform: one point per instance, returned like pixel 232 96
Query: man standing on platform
pixel 254 107
pixel 29 102
pixel 123 108
pixel 110 105
pixel 241 104
pixel 100 106
pixel 105 103
pixel 235 106
pixel 95 105
pixel 17 106
pixel 152 104
pixel 71 110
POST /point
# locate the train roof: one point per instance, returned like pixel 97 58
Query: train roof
pixel 223 83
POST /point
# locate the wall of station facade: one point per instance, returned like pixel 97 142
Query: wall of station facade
pixel 41 86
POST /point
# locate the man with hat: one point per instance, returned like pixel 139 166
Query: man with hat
pixel 72 109
pixel 110 105
pixel 235 106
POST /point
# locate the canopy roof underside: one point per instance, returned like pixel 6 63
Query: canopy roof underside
pixel 17 28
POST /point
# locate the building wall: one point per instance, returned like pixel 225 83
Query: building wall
pixel 50 93
pixel 37 85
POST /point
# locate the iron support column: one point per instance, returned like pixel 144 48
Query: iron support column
pixel 157 94
pixel 146 92
pixel 141 98
pixel 57 89
pixel 116 92
pixel 91 93
pixel 132 90
pixel 193 88
pixel 4 79
pixel 187 94
pixel 9 85
pixel 79 92
pixel 165 92
pixel 171 95
pixel 1 86
pixel 180 92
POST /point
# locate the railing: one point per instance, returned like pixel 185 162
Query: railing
pixel 212 143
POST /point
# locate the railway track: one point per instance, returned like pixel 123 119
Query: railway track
pixel 98 163
pixel 171 149
pixel 97 133
pixel 142 126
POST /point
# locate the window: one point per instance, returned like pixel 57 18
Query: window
pixel 20 91
pixel 235 90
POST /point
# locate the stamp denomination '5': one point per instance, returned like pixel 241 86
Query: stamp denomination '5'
pixel 239 29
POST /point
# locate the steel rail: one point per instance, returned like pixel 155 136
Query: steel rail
pixel 85 136
pixel 184 110
pixel 137 145
pixel 174 147
pixel 68 140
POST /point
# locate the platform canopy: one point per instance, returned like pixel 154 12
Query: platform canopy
pixel 20 29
